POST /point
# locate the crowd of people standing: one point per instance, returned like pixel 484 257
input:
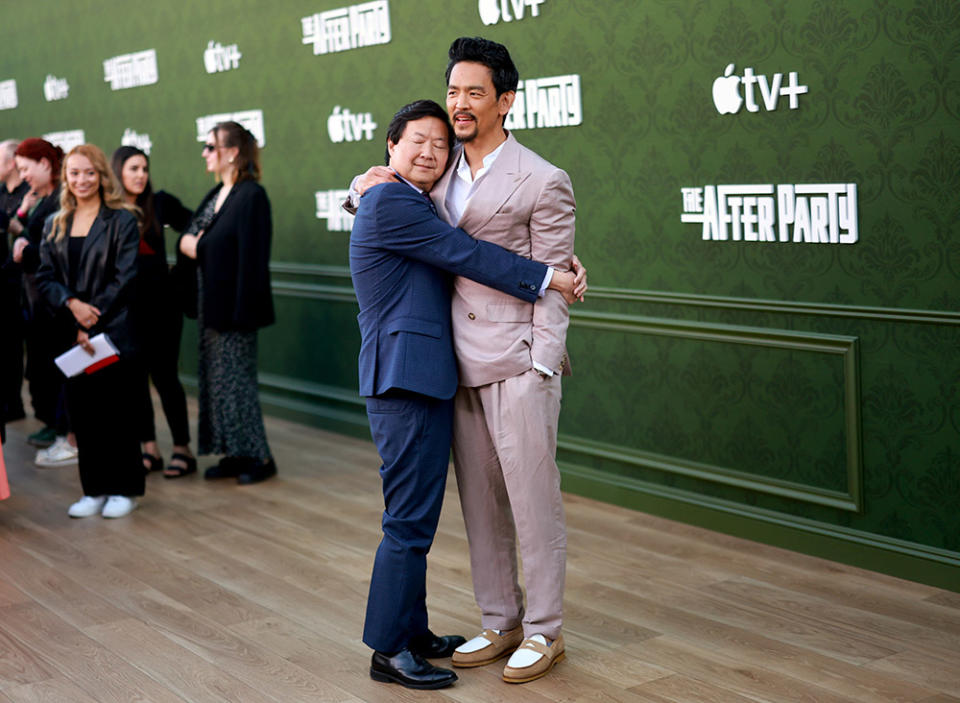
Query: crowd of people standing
pixel 83 253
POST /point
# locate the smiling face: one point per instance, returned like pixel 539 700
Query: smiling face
pixel 135 174
pixel 83 179
pixel 420 155
pixel 36 173
pixel 472 102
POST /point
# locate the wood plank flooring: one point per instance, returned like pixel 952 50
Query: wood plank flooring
pixel 215 592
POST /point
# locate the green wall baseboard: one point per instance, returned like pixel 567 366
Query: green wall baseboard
pixel 907 560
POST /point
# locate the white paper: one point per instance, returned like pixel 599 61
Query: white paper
pixel 76 360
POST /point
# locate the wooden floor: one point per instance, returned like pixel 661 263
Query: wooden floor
pixel 213 592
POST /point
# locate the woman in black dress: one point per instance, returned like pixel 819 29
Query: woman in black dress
pixel 229 238
pixel 158 316
pixel 88 262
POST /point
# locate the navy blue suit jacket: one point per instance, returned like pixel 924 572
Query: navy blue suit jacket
pixel 401 260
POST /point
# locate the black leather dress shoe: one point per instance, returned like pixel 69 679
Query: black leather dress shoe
pixel 257 472
pixel 431 646
pixel 409 670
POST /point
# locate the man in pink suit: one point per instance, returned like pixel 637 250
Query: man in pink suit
pixel 511 355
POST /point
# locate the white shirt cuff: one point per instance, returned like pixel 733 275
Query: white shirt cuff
pixel 541 368
pixel 353 196
pixel 546 282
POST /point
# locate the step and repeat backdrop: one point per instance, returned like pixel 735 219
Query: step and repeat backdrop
pixel 767 204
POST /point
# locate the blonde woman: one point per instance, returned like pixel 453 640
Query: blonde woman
pixel 88 261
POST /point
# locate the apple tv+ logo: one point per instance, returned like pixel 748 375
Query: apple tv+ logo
pixel 728 100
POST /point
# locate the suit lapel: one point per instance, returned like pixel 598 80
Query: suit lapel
pixel 98 230
pixel 495 188
pixel 438 194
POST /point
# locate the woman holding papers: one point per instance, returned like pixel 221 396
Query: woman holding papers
pixel 158 316
pixel 230 240
pixel 88 261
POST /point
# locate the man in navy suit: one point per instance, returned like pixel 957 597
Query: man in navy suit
pixel 402 259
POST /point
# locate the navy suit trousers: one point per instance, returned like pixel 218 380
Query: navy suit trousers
pixel 412 433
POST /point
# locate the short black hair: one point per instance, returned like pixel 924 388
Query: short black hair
pixel 492 55
pixel 411 112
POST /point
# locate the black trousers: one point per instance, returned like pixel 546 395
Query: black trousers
pixel 102 408
pixel 45 379
pixel 11 346
pixel 161 327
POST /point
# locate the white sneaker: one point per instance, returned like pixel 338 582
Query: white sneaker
pixel 118 506
pixel 60 453
pixel 87 506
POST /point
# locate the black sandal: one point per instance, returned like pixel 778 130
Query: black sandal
pixel 181 471
pixel 156 462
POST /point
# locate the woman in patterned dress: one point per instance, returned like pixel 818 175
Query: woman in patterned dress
pixel 229 237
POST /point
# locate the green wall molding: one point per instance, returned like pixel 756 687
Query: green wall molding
pixel 937 317
pixel 845 347
pixel 849 500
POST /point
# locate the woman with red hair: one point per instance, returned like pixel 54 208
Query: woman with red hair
pixel 38 162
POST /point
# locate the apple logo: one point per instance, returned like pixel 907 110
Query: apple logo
pixel 335 126
pixel 489 11
pixel 726 95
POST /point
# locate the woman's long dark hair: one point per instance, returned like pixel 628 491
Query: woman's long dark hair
pixel 148 221
pixel 230 134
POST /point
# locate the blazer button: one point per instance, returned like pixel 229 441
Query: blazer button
pixel 471 316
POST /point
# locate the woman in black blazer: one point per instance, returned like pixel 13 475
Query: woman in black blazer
pixel 88 262
pixel 157 312
pixel 39 163
pixel 230 239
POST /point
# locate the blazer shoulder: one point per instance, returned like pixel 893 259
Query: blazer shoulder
pixel 534 162
pixel 388 194
pixel 251 188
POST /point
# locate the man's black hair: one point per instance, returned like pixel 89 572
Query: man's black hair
pixel 415 111
pixel 492 55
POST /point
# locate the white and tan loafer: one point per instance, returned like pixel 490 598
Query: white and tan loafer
pixel 535 657
pixel 487 647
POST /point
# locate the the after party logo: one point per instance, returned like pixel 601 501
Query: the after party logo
pixel 131 70
pixel 250 119
pixel 728 98
pixel 807 213
pixel 344 28
pixel 66 139
pixel 8 94
pixel 493 11
pixel 546 102
pixel 329 208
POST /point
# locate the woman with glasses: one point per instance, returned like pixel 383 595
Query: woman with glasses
pixel 159 318
pixel 229 237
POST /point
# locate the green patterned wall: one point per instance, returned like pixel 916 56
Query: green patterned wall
pixel 802 393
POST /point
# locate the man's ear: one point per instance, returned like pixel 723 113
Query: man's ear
pixel 390 147
pixel 505 102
